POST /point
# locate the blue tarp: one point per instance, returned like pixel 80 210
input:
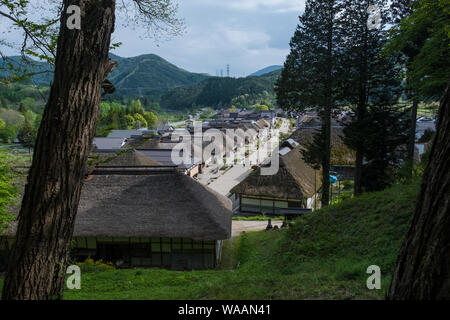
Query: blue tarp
pixel 333 179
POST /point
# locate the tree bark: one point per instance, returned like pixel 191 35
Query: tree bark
pixel 326 121
pixel 326 128
pixel 37 264
pixel 361 112
pixel 423 266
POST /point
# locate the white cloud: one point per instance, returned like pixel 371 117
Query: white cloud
pixel 267 5
pixel 247 34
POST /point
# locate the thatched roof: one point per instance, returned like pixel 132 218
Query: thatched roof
pixel 294 180
pixel 263 123
pixel 150 205
pixel 131 158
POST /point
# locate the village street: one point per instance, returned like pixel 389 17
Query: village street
pixel 224 183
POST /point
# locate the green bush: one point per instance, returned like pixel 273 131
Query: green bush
pixel 89 265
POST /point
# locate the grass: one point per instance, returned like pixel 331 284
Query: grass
pixel 257 218
pixel 323 255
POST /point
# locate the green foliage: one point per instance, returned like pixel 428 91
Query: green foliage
pixel 149 75
pixel 383 130
pixel 90 265
pixel 223 92
pixel 27 134
pixel 323 255
pixel 8 192
pixel 151 118
pixel 257 218
pixel 423 36
pixel 129 121
pixel 140 121
pixel 261 107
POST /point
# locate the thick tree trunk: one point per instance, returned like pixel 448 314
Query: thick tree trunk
pixel 37 264
pixel 361 111
pixel 412 136
pixel 423 267
pixel 358 172
pixel 326 121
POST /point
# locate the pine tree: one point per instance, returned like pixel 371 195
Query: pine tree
pixel 371 79
pixel 27 134
pixel 308 79
pixel 420 33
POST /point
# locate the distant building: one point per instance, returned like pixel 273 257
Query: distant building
pixel 108 144
pixel 127 134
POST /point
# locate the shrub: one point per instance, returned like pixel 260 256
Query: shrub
pixel 90 265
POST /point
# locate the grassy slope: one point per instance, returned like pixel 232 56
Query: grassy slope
pixel 322 256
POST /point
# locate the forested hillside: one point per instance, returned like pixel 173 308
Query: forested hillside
pixel 149 75
pixel 145 75
pixel 220 92
pixel 266 70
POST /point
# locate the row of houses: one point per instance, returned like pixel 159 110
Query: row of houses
pixel 136 213
pixel 140 209
pixel 295 188
pixel 206 147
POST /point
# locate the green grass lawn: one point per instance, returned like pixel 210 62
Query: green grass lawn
pixel 323 255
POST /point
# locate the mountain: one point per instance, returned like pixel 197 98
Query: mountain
pixel 266 70
pixel 149 75
pixel 176 89
pixel 145 75
pixel 220 92
pixel 43 71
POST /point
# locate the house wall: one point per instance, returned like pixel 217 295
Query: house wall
pixel 265 205
pixel 170 253
pixel 194 171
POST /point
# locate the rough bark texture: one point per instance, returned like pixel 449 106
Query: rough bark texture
pixel 326 126
pixel 361 112
pixel 46 221
pixel 423 267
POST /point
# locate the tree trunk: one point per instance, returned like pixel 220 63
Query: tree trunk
pixel 423 266
pixel 412 137
pixel 326 128
pixel 358 172
pixel 361 111
pixel 37 264
pixel 326 121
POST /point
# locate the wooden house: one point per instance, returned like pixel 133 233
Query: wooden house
pixel 146 217
pixel 293 187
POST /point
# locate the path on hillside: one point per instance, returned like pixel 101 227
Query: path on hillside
pixel 237 227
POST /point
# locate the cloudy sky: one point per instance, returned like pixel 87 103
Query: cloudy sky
pixel 247 34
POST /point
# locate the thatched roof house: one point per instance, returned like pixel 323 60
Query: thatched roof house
pixel 294 180
pixel 151 205
pixel 175 221
pixel 293 186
